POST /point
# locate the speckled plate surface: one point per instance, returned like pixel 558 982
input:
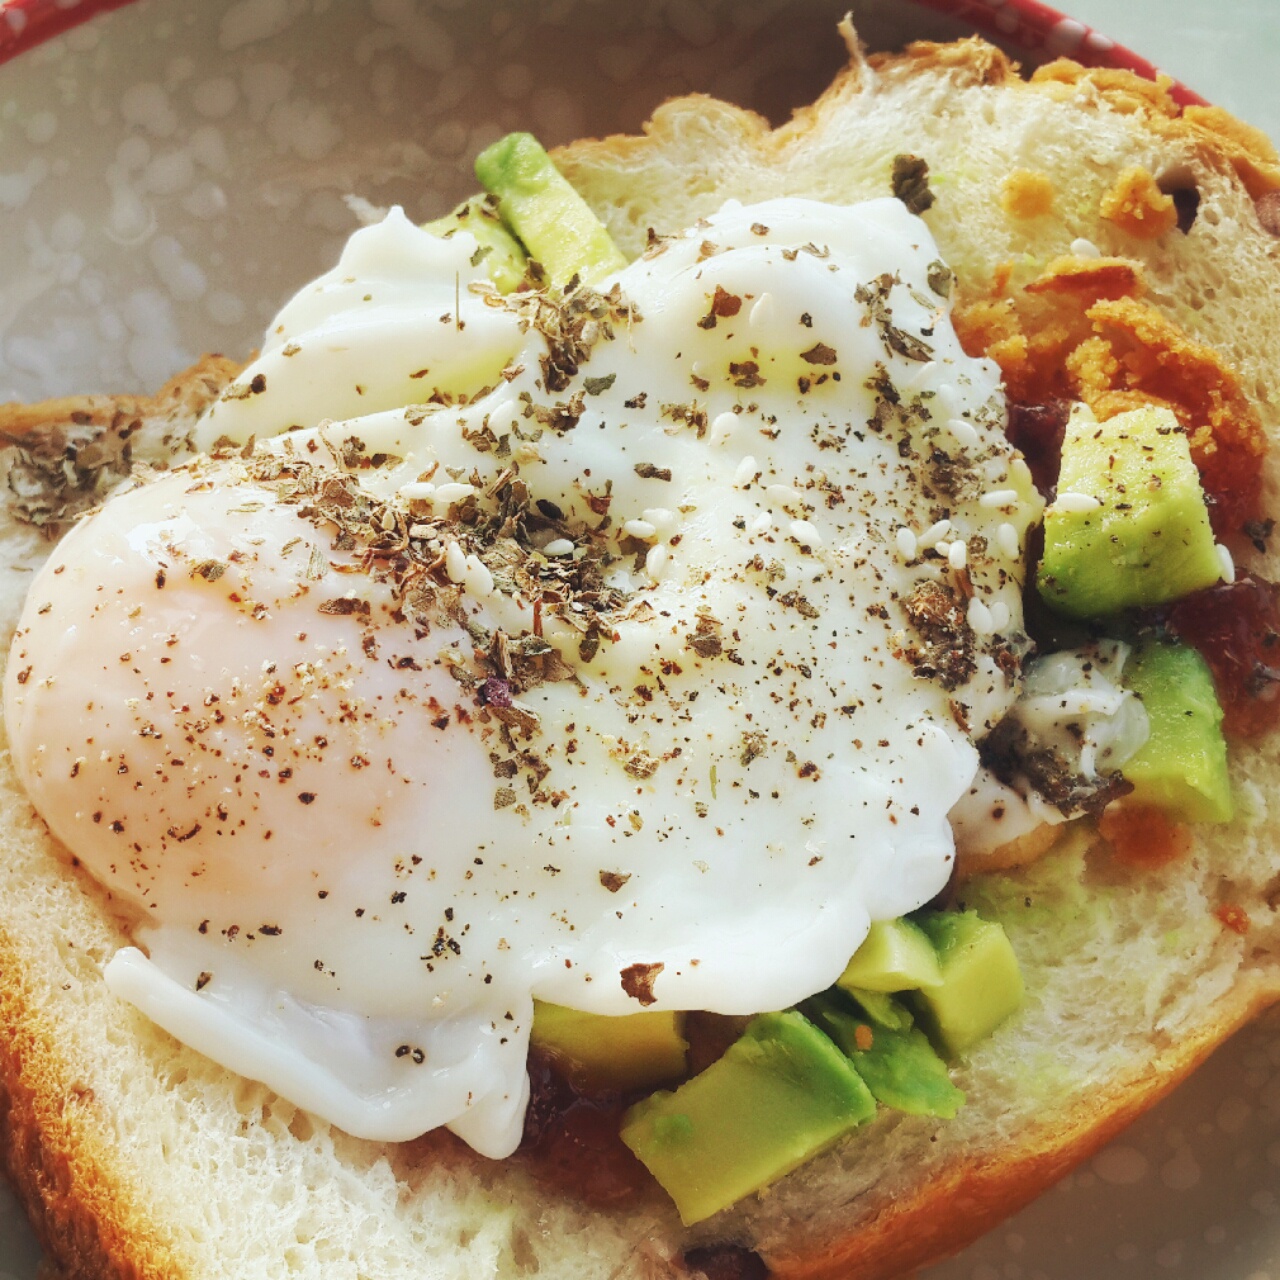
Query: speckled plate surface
pixel 171 171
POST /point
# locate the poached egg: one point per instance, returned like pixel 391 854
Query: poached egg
pixel 629 654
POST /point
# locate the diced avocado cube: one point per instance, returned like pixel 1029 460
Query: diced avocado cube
pixel 1129 525
pixel 551 219
pixel 779 1095
pixel 901 1068
pixel 895 956
pixel 502 254
pixel 881 1008
pixel 601 1052
pixel 981 981
pixel 1182 766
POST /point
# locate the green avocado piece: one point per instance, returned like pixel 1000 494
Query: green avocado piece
pixel 1129 525
pixel 1182 766
pixel 599 1052
pixel 901 1068
pixel 981 981
pixel 502 254
pixel 779 1095
pixel 881 1008
pixel 551 219
pixel 895 956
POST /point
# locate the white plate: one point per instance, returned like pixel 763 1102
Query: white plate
pixel 171 172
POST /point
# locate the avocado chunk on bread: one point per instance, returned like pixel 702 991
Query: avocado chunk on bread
pixel 138 1155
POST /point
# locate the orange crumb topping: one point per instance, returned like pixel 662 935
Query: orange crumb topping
pixel 1080 331
pixel 1026 194
pixel 1137 206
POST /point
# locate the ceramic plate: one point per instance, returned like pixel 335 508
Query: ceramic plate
pixel 171 171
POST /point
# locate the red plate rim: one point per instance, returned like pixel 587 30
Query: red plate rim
pixel 1033 27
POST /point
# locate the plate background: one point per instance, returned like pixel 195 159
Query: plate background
pixel 169 173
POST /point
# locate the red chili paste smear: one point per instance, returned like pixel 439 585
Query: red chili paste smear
pixel 1236 627
pixel 1143 837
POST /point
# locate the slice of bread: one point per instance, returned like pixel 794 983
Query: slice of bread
pixel 137 1157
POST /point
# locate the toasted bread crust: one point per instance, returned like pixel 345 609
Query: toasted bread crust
pixel 81 1203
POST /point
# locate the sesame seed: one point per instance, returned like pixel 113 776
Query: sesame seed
pixel 907 544
pixel 453 492
pixel 659 517
pixel 1007 541
pixel 655 563
pixel 641 529
pixel 722 427
pixel 980 617
pixel 965 433
pixel 746 470
pixel 558 547
pixel 1076 503
pixel 999 498
pixel 806 533
pixel 1000 615
pixel 1082 248
pixel 958 554
pixel 455 562
pixel 783 495
pixel 934 534
pixel 762 523
pixel 418 491
pixel 1227 563
pixel 477 579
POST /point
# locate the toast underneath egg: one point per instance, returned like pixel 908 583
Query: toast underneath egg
pixel 1081 191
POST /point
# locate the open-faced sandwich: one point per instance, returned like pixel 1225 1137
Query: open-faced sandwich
pixel 709 713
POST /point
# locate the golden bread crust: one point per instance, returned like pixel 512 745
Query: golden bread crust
pixel 56 1153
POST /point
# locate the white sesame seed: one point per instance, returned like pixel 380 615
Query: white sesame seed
pixel 1076 503
pixel 418 491
pixel 806 533
pixel 1082 248
pixel 1227 563
pixel 980 617
pixel 946 404
pixel 1021 473
pixel 745 473
pixel 920 376
pixel 966 433
pixel 641 529
pixel 655 563
pixel 477 579
pixel 783 495
pixel 999 498
pixel 722 427
pixel 958 554
pixel 934 534
pixel 1007 541
pixel 659 517
pixel 762 523
pixel 455 563
pixel 453 492
pixel 558 547
pixel 999 615
pixel 762 311
pixel 906 541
